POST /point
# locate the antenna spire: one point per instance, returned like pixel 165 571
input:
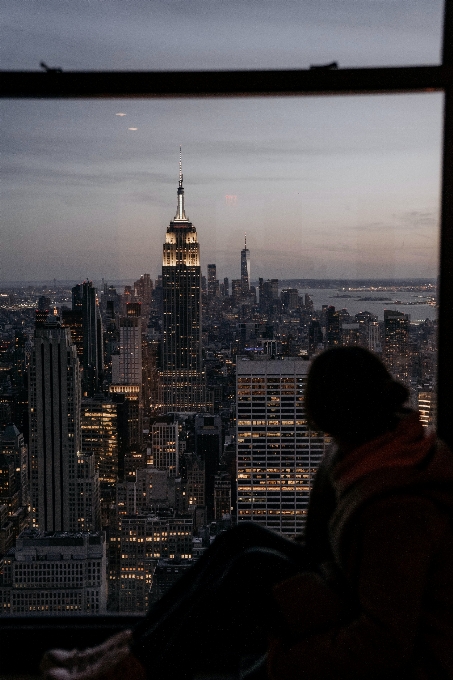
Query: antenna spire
pixel 180 213
pixel 180 167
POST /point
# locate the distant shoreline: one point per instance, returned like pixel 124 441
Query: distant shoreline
pixel 346 284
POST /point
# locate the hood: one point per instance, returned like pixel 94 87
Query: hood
pixel 405 461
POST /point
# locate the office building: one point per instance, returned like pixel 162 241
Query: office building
pixel 277 454
pixel 55 573
pixel 84 301
pixel 64 485
pixel 374 337
pixel 143 293
pixel 100 436
pixel 88 494
pixel 208 448
pixel 182 384
pixel 12 444
pixel 333 327
pixel 145 539
pixel 55 435
pixel 268 295
pixel 165 445
pixel 222 496
pixel 290 300
pixel 396 344
pixel 127 364
pixel 166 573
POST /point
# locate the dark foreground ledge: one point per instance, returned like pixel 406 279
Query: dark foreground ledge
pixel 24 639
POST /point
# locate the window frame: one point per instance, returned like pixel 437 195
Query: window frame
pixel 278 83
pixel 80 631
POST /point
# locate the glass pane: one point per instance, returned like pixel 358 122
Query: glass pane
pixel 302 223
pixel 171 34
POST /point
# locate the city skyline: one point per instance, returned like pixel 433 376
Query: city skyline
pixel 324 187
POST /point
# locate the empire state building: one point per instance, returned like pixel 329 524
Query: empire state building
pixel 182 384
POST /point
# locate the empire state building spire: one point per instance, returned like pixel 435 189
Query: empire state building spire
pixel 180 213
pixel 181 378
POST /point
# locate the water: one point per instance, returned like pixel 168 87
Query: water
pixel 414 303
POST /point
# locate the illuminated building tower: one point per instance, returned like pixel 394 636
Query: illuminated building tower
pixel 55 435
pixel 396 343
pixel 277 455
pixel 350 334
pixel 145 539
pixel 126 387
pixel 427 405
pixel 100 436
pixel 245 268
pixel 181 377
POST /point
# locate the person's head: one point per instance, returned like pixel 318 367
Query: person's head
pixel 351 395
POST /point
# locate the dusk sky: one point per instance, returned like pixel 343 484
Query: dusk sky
pixel 344 187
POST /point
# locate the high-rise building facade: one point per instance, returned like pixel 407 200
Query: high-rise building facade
pixel 100 436
pixel 396 344
pixel 165 445
pixel 181 376
pixel 245 268
pixel 127 365
pixel 55 434
pixel 144 539
pixel 277 454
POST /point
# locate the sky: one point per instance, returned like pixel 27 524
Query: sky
pixel 324 187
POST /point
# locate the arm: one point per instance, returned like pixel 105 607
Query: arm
pixel 393 543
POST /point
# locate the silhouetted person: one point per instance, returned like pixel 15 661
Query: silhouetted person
pixel 368 594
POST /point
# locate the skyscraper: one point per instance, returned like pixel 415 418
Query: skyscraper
pixel 55 434
pixel 245 268
pixel 277 454
pixel 333 327
pixel 396 343
pixel 84 302
pixel 181 376
pixel 127 365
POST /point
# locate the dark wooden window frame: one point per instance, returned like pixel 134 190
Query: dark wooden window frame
pixel 37 633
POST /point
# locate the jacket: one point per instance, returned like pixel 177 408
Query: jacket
pixel 378 602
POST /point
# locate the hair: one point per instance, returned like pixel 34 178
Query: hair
pixel 351 395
